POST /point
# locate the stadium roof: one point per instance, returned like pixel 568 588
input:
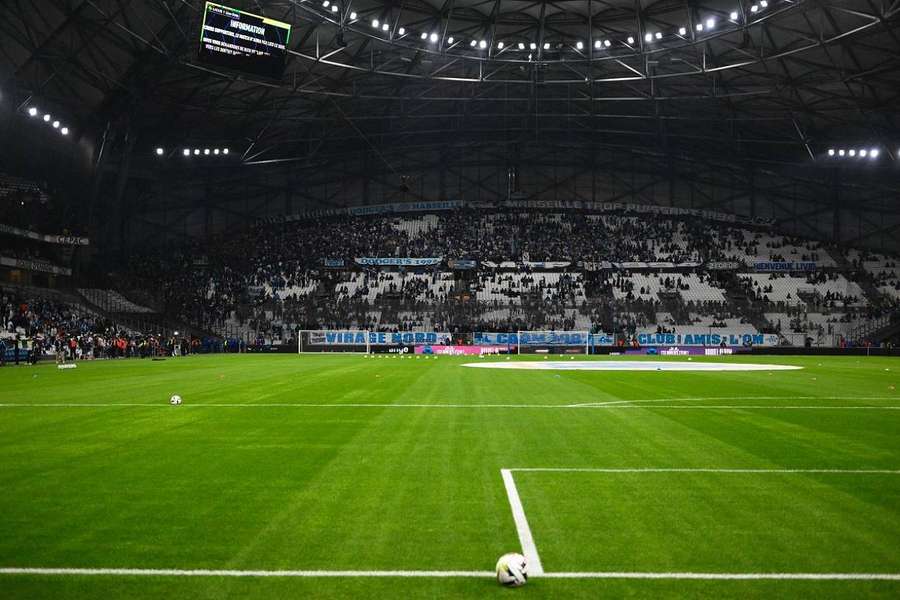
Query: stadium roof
pixel 777 81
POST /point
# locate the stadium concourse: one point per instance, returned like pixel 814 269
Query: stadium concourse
pixel 427 299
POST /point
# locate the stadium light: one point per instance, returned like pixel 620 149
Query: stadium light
pixel 831 152
pixel 450 40
pixel 659 35
pixel 607 43
pixel 206 151
pixel 597 44
pixel 160 151
pixel 874 152
pixel 532 46
pixel 682 31
pixel 754 9
pixel 764 3
pixel 216 151
pixel 353 15
pixel 375 23
pixel 482 44
pixel 385 27
pixel 699 26
pixel 433 37
pixel 473 43
pixel 64 131
pixel 47 118
pixel 424 36
pixel 841 152
pixel 225 151
pixel 648 37
pixel 186 152
pixel 32 112
pixel 500 45
pixel 546 45
pixel 852 152
pixel 630 40
pixel 733 16
pixel 334 8
pixel 521 45
pixel 579 45
pixel 196 151
pixel 55 124
pixel 401 31
pixel 711 23
pixel 863 152
pixel 326 3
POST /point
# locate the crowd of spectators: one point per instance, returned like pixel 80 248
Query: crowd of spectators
pixel 271 279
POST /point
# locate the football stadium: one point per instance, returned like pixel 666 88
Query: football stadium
pixel 449 299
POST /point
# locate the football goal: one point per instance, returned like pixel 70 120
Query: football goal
pixel 553 342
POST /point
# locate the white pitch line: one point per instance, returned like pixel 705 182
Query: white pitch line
pixel 529 550
pixel 728 576
pixel 701 470
pixel 236 573
pixel 54 571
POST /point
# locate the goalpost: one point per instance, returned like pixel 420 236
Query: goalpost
pixel 318 341
pixel 553 342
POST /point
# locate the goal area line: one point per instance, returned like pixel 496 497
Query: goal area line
pixel 97 572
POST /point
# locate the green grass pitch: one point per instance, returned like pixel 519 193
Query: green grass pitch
pixel 287 462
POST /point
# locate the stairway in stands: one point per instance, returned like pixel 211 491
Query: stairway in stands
pixel 873 296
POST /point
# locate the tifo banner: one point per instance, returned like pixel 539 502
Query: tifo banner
pixel 544 338
pixel 34 265
pixel 375 338
pixel 356 211
pixel 731 338
pixel 460 350
pixel 65 240
pixel 400 207
pixel 723 265
pixel 615 207
pixel 333 263
pixel 638 265
pixel 462 263
pixel 782 266
pixel 397 262
pixel 550 264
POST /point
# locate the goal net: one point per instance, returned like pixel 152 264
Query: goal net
pixel 553 342
pixel 321 340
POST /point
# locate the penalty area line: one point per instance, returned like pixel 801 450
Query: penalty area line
pixel 76 572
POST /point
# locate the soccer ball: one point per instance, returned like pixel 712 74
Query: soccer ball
pixel 512 570
pixel 175 400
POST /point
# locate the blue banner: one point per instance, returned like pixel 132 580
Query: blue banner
pixel 544 338
pixel 782 266
pixel 376 338
pixel 730 338
pixel 397 262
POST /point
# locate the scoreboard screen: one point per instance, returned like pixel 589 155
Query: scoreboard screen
pixel 234 39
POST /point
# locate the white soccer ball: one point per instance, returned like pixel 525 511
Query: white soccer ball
pixel 512 570
pixel 175 400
